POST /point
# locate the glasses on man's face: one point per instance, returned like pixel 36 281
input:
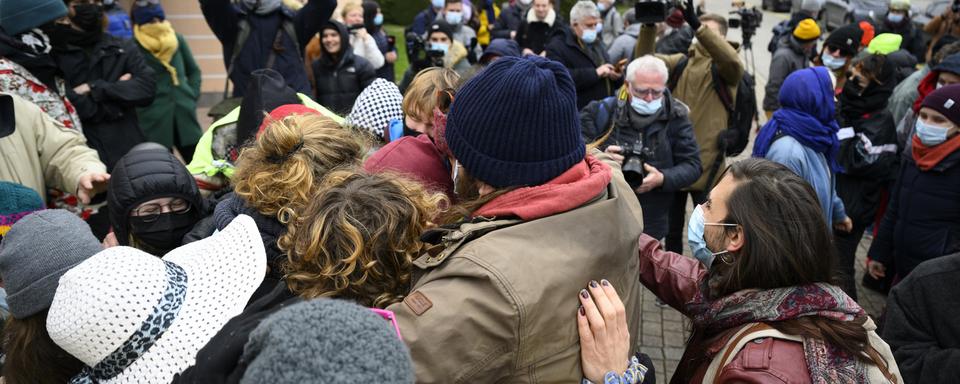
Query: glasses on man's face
pixel 151 212
pixel 654 93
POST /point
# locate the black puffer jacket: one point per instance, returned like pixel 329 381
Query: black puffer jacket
pixel 339 82
pixel 108 112
pixel 148 172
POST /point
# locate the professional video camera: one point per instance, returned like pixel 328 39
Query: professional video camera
pixel 654 11
pixel 419 55
pixel 748 22
pixel 633 159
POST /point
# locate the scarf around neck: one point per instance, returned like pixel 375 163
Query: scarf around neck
pixel 827 364
pixel 161 41
pixel 928 157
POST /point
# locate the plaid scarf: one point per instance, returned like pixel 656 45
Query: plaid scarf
pixel 827 364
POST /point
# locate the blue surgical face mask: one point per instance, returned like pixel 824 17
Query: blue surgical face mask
pixel 601 7
pixel 437 3
pixel 599 27
pixel 378 19
pixel 931 135
pixel 895 18
pixel 440 47
pixel 454 18
pixel 832 62
pixel 644 107
pixel 698 246
pixel 589 36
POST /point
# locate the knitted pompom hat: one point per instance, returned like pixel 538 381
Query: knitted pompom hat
pixel 516 123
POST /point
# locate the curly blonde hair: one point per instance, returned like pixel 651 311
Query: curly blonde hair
pixel 281 170
pixel 358 237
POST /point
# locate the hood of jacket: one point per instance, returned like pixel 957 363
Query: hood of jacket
pixel 573 188
pixel 633 30
pixel 346 51
pixel 145 173
pixel 549 20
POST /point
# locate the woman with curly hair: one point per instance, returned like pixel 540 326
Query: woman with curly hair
pixel 279 173
pixel 355 240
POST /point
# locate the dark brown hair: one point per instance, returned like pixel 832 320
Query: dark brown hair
pixel 720 20
pixel 786 243
pixel 357 238
pixel 32 357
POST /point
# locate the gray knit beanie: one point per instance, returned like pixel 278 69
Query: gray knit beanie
pixel 326 341
pixel 36 251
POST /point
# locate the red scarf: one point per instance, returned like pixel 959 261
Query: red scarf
pixel 928 157
pixel 573 188
pixel 926 86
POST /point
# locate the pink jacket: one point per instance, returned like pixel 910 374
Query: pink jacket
pixel 675 279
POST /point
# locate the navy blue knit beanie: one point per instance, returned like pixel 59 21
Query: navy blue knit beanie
pixel 516 123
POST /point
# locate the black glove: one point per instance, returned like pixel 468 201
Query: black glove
pixel 690 15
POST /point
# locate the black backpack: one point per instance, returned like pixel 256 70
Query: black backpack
pixel 741 114
pixel 780 30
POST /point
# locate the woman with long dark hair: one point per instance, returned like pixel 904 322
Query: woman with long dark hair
pixel 769 294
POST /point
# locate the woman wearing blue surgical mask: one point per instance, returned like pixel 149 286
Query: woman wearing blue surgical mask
pixel 922 220
pixel 770 282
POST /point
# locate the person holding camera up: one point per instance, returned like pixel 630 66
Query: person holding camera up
pixel 711 64
pixel 946 24
pixel 649 132
pixel 362 41
pixel 580 50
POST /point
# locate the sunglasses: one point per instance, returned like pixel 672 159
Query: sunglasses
pixel 445 99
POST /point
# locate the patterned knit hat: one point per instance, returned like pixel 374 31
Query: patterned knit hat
pixel 376 106
pixel 516 123
pixel 16 201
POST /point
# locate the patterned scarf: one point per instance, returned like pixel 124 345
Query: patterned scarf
pixel 161 41
pixel 827 364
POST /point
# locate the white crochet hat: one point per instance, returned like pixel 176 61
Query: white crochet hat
pixel 135 318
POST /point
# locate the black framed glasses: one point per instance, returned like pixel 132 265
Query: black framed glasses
pixel 151 212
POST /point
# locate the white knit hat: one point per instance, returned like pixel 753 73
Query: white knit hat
pixel 135 318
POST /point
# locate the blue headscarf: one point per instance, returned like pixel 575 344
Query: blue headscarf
pixel 806 113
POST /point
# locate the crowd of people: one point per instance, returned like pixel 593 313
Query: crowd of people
pixel 492 215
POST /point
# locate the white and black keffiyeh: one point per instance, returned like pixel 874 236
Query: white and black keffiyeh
pixel 376 106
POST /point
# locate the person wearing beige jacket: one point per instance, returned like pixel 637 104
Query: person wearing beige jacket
pixel 38 152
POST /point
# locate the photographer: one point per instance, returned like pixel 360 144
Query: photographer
pixel 580 50
pixel 440 50
pixel 946 24
pixel 696 86
pixel 647 131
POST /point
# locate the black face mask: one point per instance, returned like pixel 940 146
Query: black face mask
pixel 88 17
pixel 59 34
pixel 166 232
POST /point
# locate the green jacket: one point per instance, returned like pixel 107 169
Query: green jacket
pixel 174 109
pixel 205 168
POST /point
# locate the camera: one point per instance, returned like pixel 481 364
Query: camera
pixel 633 160
pixel 419 55
pixel 748 22
pixel 654 11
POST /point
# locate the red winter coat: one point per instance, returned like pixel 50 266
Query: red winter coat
pixel 675 279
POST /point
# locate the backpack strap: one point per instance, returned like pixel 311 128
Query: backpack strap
pixel 242 35
pixel 722 91
pixel 746 334
pixel 675 74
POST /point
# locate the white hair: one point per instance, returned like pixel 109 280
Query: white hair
pixel 583 9
pixel 647 63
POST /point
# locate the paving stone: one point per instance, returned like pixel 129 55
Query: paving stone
pixel 652 328
pixel 674 339
pixel 673 353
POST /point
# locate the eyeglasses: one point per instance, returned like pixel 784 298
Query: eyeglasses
pixel 151 212
pixel 654 93
pixel 833 48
